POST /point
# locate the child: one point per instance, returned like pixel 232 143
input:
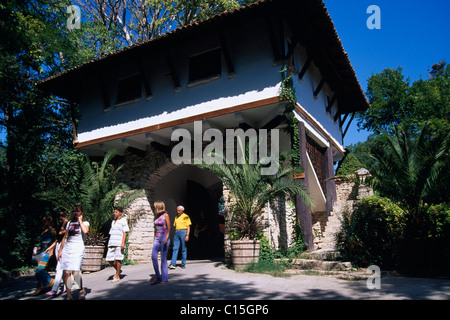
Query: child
pixel 116 244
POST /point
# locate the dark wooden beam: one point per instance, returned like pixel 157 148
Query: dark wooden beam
pixel 319 87
pixel 348 125
pixel 331 102
pixel 337 115
pixel 148 91
pixel 103 91
pixel 173 72
pixel 226 54
pixel 275 122
pixel 304 68
pixel 274 37
pixel 291 48
pixel 343 120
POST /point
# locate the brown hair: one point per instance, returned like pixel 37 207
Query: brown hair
pixel 160 207
pixel 81 209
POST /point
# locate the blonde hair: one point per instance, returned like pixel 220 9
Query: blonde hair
pixel 160 207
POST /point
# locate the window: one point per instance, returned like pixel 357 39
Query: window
pixel 205 66
pixel 129 89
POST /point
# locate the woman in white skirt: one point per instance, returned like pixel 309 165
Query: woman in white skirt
pixel 71 251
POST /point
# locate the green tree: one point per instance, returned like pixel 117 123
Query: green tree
pixel 411 168
pixel 30 120
pixel 348 165
pixel 394 101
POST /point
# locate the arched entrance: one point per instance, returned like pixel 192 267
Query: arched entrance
pixel 197 190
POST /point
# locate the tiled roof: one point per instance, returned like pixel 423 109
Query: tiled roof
pixel 333 56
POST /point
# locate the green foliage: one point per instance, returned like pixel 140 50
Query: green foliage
pixel 393 101
pixel 267 267
pixel 287 94
pixel 265 250
pixel 371 233
pixel 439 220
pixel 298 245
pixel 38 154
pixel 98 189
pixel 252 191
pixel 412 169
pixel 348 165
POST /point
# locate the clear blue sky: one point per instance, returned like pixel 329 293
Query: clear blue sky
pixel 414 34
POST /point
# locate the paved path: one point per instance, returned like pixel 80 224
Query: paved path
pixel 211 280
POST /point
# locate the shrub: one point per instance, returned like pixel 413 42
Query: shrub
pixel 348 165
pixel 371 233
pixel 439 220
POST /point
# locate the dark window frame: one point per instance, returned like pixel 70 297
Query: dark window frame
pixel 129 89
pixel 205 66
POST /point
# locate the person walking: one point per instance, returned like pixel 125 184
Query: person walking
pixel 161 243
pixel 182 225
pixel 71 251
pixel 116 244
pixel 62 217
pixel 45 281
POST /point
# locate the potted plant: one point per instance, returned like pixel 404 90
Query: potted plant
pixel 96 194
pixel 98 190
pixel 251 191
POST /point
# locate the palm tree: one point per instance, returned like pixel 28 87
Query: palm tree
pixel 252 191
pixel 97 192
pixel 98 189
pixel 412 170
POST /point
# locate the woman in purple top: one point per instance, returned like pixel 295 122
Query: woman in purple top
pixel 161 243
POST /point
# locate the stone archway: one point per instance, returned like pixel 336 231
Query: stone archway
pixel 194 188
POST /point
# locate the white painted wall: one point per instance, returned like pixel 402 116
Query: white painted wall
pixel 256 78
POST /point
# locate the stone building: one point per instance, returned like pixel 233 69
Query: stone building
pixel 222 73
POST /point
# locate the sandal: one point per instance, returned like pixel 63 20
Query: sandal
pixel 82 295
pixel 51 293
pixel 37 292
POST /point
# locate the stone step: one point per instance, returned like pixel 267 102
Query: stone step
pixel 326 254
pixel 321 265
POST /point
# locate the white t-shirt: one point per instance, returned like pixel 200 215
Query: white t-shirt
pixel 74 233
pixel 118 228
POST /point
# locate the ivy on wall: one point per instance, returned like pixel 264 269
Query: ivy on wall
pixel 287 94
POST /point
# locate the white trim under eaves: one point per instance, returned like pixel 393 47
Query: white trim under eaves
pixel 311 125
pixel 220 103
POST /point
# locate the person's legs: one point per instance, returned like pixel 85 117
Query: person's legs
pixel 164 268
pixel 79 281
pixel 58 277
pixel 42 276
pixel 183 247
pixel 155 250
pixel 68 284
pixel 176 246
pixel 118 266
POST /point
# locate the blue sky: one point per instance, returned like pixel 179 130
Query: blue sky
pixel 414 34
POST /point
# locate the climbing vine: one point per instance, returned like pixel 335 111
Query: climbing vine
pixel 287 94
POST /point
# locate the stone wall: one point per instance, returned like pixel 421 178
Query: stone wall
pixel 140 239
pixel 137 171
pixel 279 219
pixel 144 171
